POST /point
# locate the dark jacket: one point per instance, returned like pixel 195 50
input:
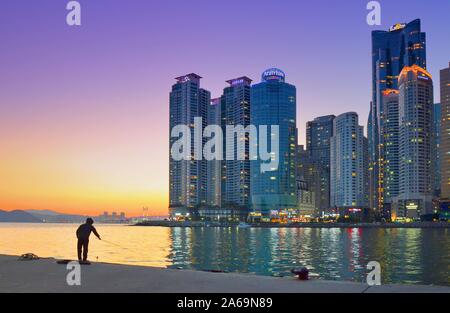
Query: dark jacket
pixel 84 231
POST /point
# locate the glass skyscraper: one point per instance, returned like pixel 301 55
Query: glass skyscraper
pixel 187 178
pixel 273 102
pixel 402 45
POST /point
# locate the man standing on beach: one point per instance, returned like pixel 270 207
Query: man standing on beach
pixel 83 233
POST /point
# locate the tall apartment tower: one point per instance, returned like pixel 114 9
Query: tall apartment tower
pixel 273 102
pixel 187 178
pixel 437 120
pixel 307 169
pixel 214 167
pixel 416 179
pixel 308 177
pixel 236 112
pixel 348 163
pixel 402 45
pixel 445 133
pixel 390 147
pixel 318 135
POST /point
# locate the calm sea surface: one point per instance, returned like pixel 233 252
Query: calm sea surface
pixel 418 256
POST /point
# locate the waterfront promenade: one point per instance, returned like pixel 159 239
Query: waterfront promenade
pixel 45 275
pixel 167 223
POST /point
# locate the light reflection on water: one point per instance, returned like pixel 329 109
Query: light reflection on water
pixel 406 255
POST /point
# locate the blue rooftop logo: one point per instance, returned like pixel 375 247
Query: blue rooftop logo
pixel 273 74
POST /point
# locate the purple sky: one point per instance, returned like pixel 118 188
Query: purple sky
pixel 95 97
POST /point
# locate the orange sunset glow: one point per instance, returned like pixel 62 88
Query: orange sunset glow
pixel 84 165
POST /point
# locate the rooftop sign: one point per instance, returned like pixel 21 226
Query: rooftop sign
pixel 397 27
pixel 244 80
pixel 188 77
pixel 273 74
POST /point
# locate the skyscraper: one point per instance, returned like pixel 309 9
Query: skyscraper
pixel 273 102
pixel 403 45
pixel 437 120
pixel 318 135
pixel 236 112
pixel 390 133
pixel 307 169
pixel 348 164
pixel 307 179
pixel 416 179
pixel 214 167
pixel 187 178
pixel 306 203
pixel 445 133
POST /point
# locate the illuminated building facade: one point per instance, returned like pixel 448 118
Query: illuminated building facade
pixel 348 164
pixel 403 45
pixel 390 134
pixel 318 135
pixel 437 138
pixel 214 167
pixel 445 133
pixel 187 178
pixel 416 140
pixel 306 201
pixel 273 102
pixel 308 178
pixel 236 179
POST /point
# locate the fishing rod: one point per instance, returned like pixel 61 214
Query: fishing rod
pixel 122 247
pixel 137 253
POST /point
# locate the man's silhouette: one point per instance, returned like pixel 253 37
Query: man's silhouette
pixel 83 233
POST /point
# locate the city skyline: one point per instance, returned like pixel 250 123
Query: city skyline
pixel 93 157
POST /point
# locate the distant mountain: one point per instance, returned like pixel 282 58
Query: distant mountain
pixel 42 212
pixel 48 216
pixel 18 216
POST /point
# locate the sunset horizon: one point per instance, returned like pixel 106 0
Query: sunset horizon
pixel 85 111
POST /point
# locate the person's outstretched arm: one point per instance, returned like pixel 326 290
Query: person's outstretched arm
pixel 95 233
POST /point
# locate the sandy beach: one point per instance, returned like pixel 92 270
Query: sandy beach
pixel 45 275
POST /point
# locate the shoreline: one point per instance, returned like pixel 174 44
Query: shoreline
pixel 44 275
pixel 433 225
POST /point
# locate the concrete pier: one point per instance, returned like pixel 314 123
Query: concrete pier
pixel 45 275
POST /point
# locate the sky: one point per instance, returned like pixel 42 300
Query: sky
pixel 84 109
